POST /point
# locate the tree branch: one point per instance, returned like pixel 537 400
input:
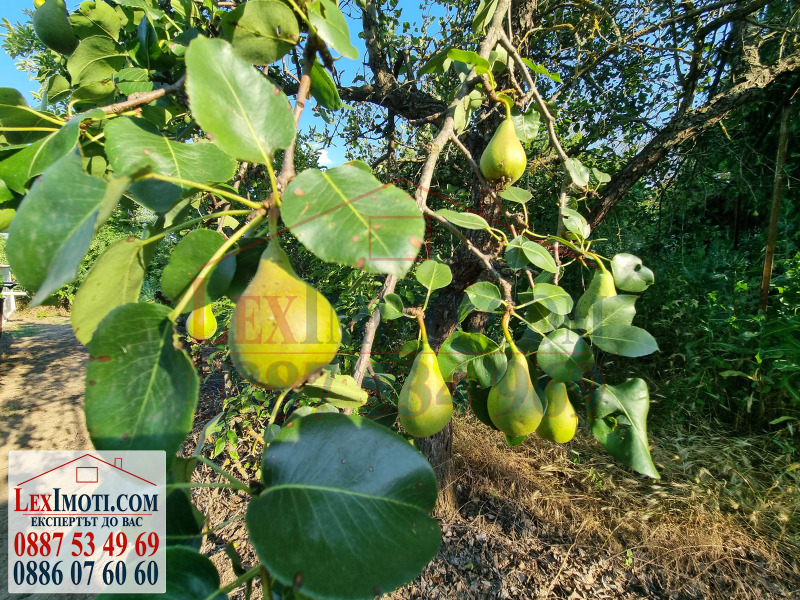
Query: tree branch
pixel 684 127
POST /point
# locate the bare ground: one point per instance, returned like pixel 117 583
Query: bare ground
pixel 41 400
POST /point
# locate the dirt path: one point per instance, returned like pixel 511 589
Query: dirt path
pixel 41 400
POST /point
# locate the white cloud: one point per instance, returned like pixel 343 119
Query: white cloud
pixel 324 158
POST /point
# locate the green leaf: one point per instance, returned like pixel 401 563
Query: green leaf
pixel 44 251
pixel 323 88
pixel 392 307
pixel 141 389
pixel 145 5
pixel 190 255
pixel 578 172
pixel 600 176
pixel 115 279
pixel 183 520
pixel 338 390
pixel 438 63
pixel 95 59
pixel 189 575
pixel 261 31
pixel 134 145
pixel 554 298
pixel 468 57
pixel 133 80
pixel 484 296
pixel 618 420
pixel 520 251
pixel 542 321
pixel 626 340
pixel 483 16
pixel 57 88
pixel 331 26
pixel 464 109
pixel 347 216
pixel 526 124
pixel 516 195
pixel 19 168
pixel 360 511
pixel 466 220
pixel 257 119
pixel 95 18
pixel 482 358
pixel 630 274
pixel 574 222
pixel 14 112
pixel 615 310
pixel 433 274
pixel 564 355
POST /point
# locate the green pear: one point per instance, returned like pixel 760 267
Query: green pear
pixel 6 215
pixel 201 323
pixel 504 160
pixel 51 25
pixel 559 421
pixel 601 286
pixel 425 404
pixel 282 329
pixel 513 404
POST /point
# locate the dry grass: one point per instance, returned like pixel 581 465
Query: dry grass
pixel 724 520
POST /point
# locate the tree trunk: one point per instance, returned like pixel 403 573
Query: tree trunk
pixel 772 232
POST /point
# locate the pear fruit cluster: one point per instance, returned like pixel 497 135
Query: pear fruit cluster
pixel 282 329
pixel 504 160
pixel 425 404
pixel 51 25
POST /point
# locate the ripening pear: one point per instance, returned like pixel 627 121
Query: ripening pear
pixel 559 421
pixel 513 404
pixel 601 286
pixel 425 404
pixel 504 160
pixel 37 3
pixel 51 25
pixel 282 329
pixel 201 323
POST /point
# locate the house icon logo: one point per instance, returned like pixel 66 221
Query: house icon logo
pixel 88 471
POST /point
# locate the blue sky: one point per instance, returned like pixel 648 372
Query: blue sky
pixel 334 155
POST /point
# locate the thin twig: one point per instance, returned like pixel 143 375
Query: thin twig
pixel 140 99
pixel 309 55
pixel 468 155
pixel 369 332
pixel 534 92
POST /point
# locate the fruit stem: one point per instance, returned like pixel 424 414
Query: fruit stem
pixel 212 262
pixel 205 188
pixel 507 104
pixel 421 320
pixel 504 324
pixel 597 260
pixel 274 183
pixel 186 224
pixel 276 408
